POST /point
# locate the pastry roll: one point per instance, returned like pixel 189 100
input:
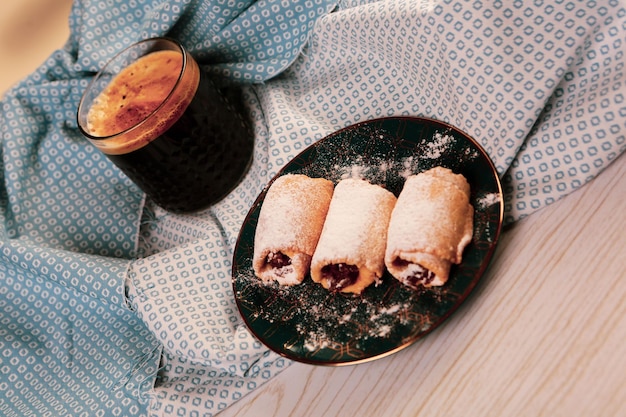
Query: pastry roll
pixel 350 253
pixel 430 226
pixel 289 226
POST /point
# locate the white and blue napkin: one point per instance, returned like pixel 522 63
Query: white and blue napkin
pixel 112 306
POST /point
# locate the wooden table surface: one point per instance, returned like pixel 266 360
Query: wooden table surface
pixel 543 334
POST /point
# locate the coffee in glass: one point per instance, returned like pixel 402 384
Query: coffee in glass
pixel 167 126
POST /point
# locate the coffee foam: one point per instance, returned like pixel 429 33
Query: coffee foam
pixel 126 115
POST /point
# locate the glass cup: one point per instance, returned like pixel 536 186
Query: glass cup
pixel 167 126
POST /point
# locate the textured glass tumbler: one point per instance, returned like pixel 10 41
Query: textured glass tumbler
pixel 167 126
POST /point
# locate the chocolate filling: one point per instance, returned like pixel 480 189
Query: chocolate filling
pixel 416 275
pixel 340 276
pixel 277 260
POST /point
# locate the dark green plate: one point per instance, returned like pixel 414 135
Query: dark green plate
pixel 307 323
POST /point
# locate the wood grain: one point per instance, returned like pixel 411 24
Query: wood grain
pixel 542 335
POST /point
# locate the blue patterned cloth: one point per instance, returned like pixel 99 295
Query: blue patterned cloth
pixel 111 306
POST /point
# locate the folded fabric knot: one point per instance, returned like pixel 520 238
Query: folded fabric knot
pixel 244 41
pixel 70 220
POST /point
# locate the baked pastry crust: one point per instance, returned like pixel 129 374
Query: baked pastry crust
pixel 354 235
pixel 290 223
pixel 430 227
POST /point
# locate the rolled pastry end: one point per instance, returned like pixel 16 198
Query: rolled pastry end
pixel 289 226
pixel 351 250
pixel 344 277
pixel 419 269
pixel 284 268
pixel 430 227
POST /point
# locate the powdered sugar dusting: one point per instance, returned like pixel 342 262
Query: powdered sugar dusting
pixel 407 167
pixel 487 200
pixel 325 320
pixel 439 144
pixel 374 170
pixel 306 321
